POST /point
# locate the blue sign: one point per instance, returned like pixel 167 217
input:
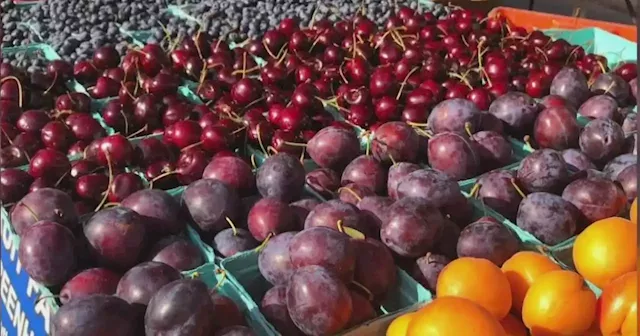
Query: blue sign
pixel 21 311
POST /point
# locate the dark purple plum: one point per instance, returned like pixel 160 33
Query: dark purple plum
pixel 618 164
pixel 412 227
pixel 570 84
pixel 210 203
pixel 634 88
pixel 493 149
pixel 363 310
pixel 302 208
pixel 488 240
pixel 396 173
pixel 333 147
pixel 158 209
pixel 324 181
pixel 600 107
pixel 428 268
pixel 236 330
pixel 139 284
pixel 318 302
pixel 455 115
pixel 367 172
pixel 458 210
pixel 556 128
pixel 352 193
pixel 496 190
pixel 226 311
pixel 274 262
pixel 331 212
pixel 454 155
pixel 630 124
pixel 374 209
pixel 176 252
pixel 628 179
pixel 116 236
pixel 613 85
pixel 89 282
pixel 14 185
pixel 270 216
pixel 596 198
pixel 517 110
pixel 631 144
pixel 45 204
pixel 548 217
pixel 281 176
pixel 448 241
pixel 324 247
pixel 395 141
pixel 274 308
pixel 95 315
pixel 436 188
pixel 230 241
pixel 246 203
pixel 47 252
pixel 375 268
pixel 602 140
pixel 182 307
pixel 543 171
pixel 576 160
pixel 233 171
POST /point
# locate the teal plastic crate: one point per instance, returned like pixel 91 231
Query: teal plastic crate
pixel 243 271
pixel 216 277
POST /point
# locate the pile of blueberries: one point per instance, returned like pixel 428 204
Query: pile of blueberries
pixel 75 28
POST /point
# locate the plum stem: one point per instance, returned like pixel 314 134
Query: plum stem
pixel 233 226
pixel 106 195
pixel 163 175
pixel 352 192
pixel 191 146
pixel 423 133
pixel 264 243
pixel 14 78
pixel 467 128
pixel 515 185
pixel 474 191
pixel 364 289
pixel 404 82
pixel 527 141
pixel 223 273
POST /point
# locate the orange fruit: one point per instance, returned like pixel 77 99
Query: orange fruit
pixel 522 269
pixel 617 309
pixel 606 250
pixel 513 326
pixel 478 280
pixel 400 324
pixel 559 303
pixel 633 212
pixel 454 316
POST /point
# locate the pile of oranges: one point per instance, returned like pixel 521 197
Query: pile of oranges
pixel 532 295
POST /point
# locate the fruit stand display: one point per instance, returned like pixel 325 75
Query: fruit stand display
pixel 365 171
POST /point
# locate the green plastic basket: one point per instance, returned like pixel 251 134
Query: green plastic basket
pixel 243 270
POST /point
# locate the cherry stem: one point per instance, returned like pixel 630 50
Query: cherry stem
pixel 264 150
pixel 140 131
pixel 106 195
pixel 302 155
pixel 342 74
pixel 404 82
pixel 364 289
pixel 126 122
pixel 264 243
pixel 527 141
pixel 253 161
pixel 266 48
pixel 61 178
pixel 233 226
pixel 271 151
pixel 14 78
pixel 352 192
pixel 111 205
pixel 161 176
pixel 53 83
pixel 191 146
pixel 295 144
pixel 393 161
pixel 515 185
pixel 423 133
pixel 244 64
